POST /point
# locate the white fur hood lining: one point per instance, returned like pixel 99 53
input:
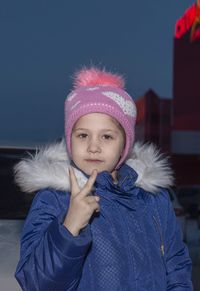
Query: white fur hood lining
pixel 48 168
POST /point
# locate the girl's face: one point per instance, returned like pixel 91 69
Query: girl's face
pixel 97 142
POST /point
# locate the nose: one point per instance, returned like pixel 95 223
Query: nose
pixel 94 146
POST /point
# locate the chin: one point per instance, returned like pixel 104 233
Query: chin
pixel 89 171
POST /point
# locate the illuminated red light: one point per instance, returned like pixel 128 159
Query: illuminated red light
pixel 190 20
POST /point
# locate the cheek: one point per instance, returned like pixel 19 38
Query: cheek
pixel 115 152
pixel 119 148
pixel 76 150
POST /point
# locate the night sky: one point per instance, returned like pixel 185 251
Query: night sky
pixel 42 43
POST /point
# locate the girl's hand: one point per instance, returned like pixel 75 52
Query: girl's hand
pixel 82 204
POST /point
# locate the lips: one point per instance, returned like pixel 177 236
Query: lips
pixel 93 161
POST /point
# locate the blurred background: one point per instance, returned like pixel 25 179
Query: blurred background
pixel 155 46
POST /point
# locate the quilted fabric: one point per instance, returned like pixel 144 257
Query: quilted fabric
pixel 134 243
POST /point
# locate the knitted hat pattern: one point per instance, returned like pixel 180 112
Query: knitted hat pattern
pixel 99 91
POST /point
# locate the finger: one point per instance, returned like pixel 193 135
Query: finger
pixel 95 206
pixel 86 190
pixel 91 199
pixel 75 189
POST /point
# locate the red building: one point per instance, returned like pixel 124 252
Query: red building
pixel 174 124
pixel 186 72
pixel 185 137
pixel 153 120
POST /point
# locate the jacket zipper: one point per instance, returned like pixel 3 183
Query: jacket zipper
pixel 162 246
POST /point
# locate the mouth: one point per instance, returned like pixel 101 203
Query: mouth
pixel 93 161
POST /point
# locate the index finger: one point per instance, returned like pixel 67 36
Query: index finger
pixel 88 186
pixel 75 189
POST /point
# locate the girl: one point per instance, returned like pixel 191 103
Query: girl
pixel 102 219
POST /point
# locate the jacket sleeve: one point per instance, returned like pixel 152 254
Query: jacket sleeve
pixel 51 258
pixel 178 262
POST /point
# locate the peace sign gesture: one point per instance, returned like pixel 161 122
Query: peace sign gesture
pixel 82 203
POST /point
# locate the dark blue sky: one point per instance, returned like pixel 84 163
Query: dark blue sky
pixel 43 42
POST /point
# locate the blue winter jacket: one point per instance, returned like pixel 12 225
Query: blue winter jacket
pixel 133 243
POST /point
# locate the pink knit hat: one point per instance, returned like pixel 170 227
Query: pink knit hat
pixel 100 91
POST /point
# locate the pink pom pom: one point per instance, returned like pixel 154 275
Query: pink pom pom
pixel 95 77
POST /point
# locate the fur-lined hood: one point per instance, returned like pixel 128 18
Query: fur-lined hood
pixel 48 168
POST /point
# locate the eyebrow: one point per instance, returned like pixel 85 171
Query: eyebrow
pixel 79 128
pixel 104 129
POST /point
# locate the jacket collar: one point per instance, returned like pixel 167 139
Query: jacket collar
pixel 126 179
pixel 48 168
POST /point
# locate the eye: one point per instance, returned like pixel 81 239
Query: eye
pixel 107 136
pixel 82 135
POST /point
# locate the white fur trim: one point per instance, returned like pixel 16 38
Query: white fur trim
pixel 48 168
pixel 152 168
